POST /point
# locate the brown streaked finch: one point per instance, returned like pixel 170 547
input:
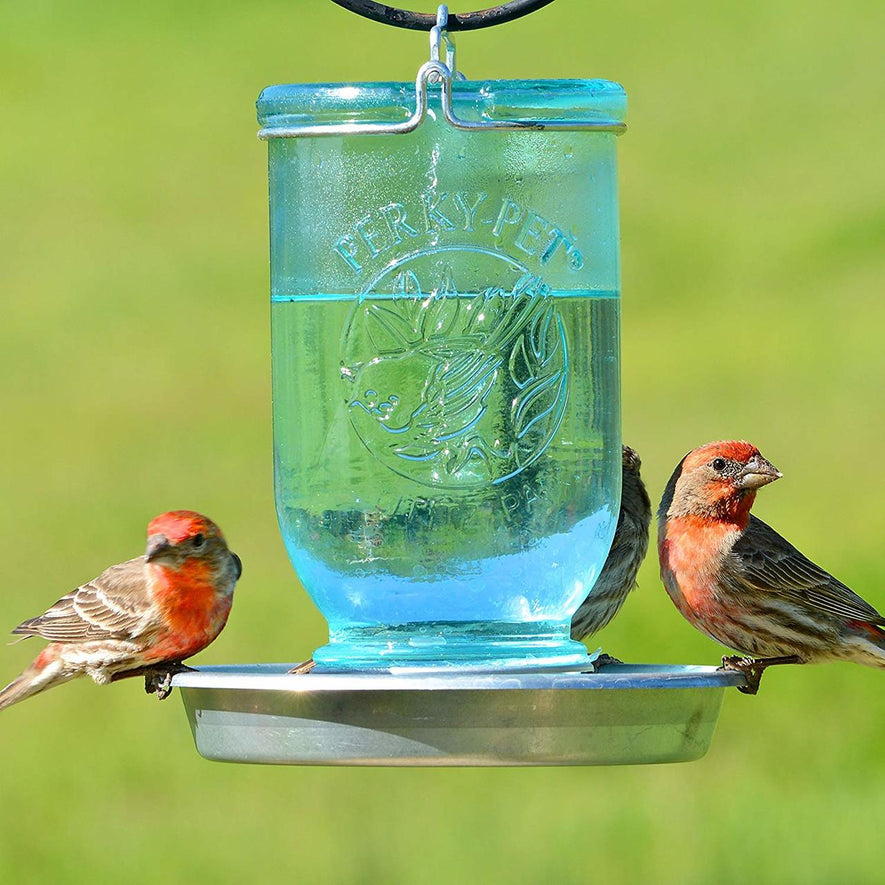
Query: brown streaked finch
pixel 738 581
pixel 629 546
pixel 144 616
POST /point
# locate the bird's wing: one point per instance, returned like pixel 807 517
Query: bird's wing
pixel 772 565
pixel 453 403
pixel 458 388
pixel 115 605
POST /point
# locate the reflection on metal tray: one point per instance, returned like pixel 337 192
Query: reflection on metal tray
pixel 627 713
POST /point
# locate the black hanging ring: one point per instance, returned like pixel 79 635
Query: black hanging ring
pixel 421 21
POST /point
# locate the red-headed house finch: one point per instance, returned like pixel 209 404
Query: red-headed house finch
pixel 145 615
pixel 618 574
pixel 737 580
pixel 629 545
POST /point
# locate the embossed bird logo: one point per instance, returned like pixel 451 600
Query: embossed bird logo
pixel 469 388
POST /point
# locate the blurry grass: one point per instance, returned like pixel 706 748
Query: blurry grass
pixel 136 365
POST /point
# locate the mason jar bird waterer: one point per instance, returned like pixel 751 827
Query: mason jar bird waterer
pixel 445 325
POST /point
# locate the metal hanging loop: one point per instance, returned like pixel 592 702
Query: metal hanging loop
pixel 419 21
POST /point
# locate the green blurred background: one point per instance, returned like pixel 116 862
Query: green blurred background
pixel 135 350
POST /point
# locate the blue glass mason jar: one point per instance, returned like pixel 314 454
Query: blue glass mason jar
pixel 445 321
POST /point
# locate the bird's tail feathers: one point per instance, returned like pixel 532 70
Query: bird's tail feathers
pixel 45 672
pixel 864 643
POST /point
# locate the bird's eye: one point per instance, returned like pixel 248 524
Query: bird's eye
pixel 718 464
pixel 198 541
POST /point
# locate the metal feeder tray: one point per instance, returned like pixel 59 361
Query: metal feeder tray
pixel 624 714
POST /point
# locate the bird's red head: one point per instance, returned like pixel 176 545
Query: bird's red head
pixel 718 480
pixel 183 535
pixel 182 525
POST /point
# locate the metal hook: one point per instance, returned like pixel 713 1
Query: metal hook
pixel 438 35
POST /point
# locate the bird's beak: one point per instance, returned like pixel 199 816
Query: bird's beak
pixel 156 546
pixel 757 473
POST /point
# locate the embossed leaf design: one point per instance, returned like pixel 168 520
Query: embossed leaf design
pixel 537 366
pixel 406 291
pixel 387 329
pixel 475 312
pixel 439 315
pixel 393 324
pixel 474 385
